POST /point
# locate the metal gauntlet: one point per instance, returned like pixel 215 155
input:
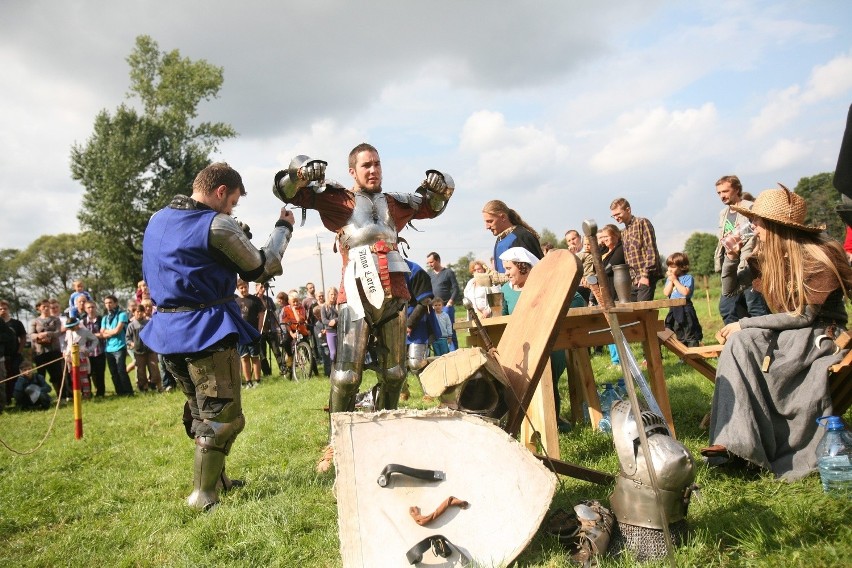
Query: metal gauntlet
pixel 438 187
pixel 302 172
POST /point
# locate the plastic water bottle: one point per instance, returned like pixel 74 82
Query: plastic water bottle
pixel 621 389
pixel 834 453
pixel 608 397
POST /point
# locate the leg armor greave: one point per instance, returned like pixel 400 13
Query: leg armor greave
pixel 417 353
pixel 352 336
pixel 392 362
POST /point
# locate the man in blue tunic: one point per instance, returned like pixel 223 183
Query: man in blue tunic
pixel 193 251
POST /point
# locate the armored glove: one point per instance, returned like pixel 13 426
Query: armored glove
pixel 301 172
pixel 313 170
pixel 437 182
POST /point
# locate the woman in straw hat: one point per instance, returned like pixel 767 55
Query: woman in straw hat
pixel 771 381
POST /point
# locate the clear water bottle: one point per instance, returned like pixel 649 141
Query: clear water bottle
pixel 621 389
pixel 608 397
pixel 834 457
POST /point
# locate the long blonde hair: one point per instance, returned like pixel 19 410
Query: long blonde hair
pixel 496 207
pixel 787 255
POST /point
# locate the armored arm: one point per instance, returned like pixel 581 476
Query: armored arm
pixel 252 264
pixel 302 172
pixel 418 312
pixel 437 188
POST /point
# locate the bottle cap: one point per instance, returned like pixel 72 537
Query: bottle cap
pixel 830 423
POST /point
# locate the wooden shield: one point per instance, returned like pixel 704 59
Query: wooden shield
pixel 507 488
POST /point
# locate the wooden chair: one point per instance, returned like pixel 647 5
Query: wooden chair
pixel 839 382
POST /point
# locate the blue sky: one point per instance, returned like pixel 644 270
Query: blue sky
pixel 555 107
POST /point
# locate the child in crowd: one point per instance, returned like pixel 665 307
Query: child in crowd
pixel 79 290
pixel 251 308
pixel 679 284
pixel 322 342
pixel 31 390
pixel 443 344
pixel 86 341
pixel 142 291
pixel 147 369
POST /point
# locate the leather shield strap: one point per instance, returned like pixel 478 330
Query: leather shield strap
pixel 424 520
pixel 425 474
pixel 440 545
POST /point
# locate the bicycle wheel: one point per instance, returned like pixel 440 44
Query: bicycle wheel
pixel 302 362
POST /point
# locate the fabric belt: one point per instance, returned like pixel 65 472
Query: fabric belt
pixel 170 309
pixel 381 249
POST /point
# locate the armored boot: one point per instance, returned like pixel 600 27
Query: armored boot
pixel 209 466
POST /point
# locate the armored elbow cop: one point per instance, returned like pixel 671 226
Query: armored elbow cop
pixel 228 237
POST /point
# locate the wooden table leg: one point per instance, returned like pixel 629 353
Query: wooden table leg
pixel 587 380
pixel 656 376
pixel 542 414
pixel 575 389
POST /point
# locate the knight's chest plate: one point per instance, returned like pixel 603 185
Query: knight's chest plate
pixel 370 221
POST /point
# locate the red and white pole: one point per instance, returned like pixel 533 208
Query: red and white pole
pixel 78 397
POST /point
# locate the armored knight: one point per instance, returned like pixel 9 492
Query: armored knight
pixel 373 293
pixel 192 252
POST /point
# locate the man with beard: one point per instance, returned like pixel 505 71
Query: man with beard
pixel 373 293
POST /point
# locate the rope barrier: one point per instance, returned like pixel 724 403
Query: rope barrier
pixel 52 419
pixel 34 368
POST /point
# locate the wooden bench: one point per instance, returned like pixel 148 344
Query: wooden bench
pixel 839 383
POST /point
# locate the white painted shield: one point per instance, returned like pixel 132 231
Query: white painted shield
pixel 508 489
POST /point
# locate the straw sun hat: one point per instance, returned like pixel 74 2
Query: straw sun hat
pixel 780 206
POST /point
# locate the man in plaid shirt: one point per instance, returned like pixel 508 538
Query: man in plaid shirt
pixel 640 250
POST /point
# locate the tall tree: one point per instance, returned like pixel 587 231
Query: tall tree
pixel 12 285
pixel 462 269
pixel 135 162
pixel 51 263
pixel 548 236
pixel 822 198
pixel 700 248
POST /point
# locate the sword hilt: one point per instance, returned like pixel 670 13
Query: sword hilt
pixel 590 229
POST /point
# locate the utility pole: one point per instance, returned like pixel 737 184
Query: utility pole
pixel 322 274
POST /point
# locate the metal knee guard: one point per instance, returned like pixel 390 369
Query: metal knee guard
pixel 352 336
pixel 390 386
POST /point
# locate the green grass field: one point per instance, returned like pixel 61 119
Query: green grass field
pixel 116 497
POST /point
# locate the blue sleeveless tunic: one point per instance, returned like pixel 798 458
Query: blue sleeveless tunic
pixel 180 270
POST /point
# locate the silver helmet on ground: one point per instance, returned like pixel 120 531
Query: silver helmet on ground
pixel 639 526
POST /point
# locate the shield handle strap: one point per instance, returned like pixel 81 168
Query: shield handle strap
pixel 426 474
pixel 440 545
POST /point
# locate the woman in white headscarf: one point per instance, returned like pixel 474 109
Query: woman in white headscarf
pixel 479 287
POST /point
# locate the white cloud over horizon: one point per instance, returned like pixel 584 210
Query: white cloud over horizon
pixel 555 109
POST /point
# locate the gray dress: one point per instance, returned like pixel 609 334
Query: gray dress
pixel 769 418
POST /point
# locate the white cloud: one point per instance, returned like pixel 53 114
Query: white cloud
pixel 556 109
pixel 834 79
pixel 647 138
pixel 783 154
pixel 509 155
pixel 826 81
